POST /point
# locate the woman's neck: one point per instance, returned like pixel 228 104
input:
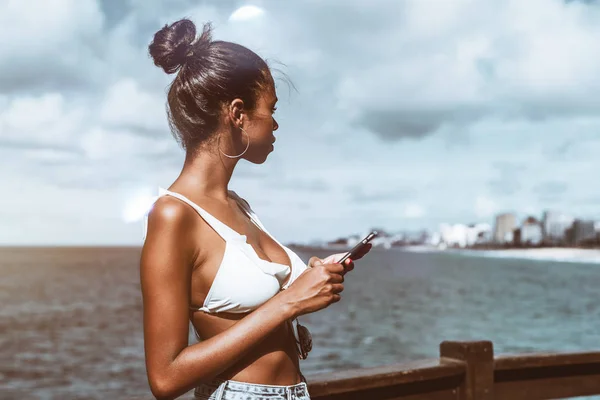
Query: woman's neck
pixel 207 174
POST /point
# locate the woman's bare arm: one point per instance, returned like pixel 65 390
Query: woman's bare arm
pixel 173 367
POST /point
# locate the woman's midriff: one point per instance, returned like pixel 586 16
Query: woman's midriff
pixel 272 362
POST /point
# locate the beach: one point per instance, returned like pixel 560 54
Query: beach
pixel 555 254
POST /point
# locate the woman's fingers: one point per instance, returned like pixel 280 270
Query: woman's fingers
pixel 313 260
pixel 337 288
pixel 337 278
pixel 348 265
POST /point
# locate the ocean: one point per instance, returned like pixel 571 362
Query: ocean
pixel 71 318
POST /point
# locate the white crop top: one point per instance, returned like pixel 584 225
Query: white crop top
pixel 243 281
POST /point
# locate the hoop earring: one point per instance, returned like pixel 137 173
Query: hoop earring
pixel 243 152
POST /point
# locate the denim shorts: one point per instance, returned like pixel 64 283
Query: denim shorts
pixel 218 389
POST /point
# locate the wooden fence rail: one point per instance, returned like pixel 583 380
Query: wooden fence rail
pixel 467 371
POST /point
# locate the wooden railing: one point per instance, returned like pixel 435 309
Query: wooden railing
pixel 467 371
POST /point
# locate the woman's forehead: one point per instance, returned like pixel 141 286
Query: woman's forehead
pixel 269 96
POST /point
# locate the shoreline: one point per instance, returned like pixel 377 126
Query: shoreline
pixel 555 254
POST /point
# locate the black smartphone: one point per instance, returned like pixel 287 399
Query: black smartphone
pixel 359 246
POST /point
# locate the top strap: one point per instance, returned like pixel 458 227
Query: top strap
pixel 223 230
pixel 251 214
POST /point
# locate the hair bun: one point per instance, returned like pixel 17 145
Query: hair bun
pixel 172 44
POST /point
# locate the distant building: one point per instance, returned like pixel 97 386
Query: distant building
pixel 531 232
pixel 408 238
pixel 460 235
pixel 338 242
pixel 478 233
pixel 554 227
pixel 434 239
pixel 453 235
pixel 517 237
pixel 583 231
pixel 416 237
pixel 504 227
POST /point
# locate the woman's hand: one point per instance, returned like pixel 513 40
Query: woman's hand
pixel 348 264
pixel 316 288
pixel 321 284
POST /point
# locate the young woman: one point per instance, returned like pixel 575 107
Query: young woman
pixel 207 257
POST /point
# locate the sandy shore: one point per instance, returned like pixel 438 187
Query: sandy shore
pixel 543 254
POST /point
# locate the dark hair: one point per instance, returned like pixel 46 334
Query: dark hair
pixel 210 74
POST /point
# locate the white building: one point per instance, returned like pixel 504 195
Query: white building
pixel 453 235
pixel 531 233
pixel 505 225
pixel 460 235
pixel 555 225
pixel 479 233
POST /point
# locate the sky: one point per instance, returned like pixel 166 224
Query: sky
pixel 406 114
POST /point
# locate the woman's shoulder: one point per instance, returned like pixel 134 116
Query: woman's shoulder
pixel 167 210
pixel 170 220
pixel 168 241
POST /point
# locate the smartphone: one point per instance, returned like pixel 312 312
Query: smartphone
pixel 359 246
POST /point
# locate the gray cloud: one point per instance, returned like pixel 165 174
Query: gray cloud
pixel 26 76
pixel 398 124
pixel 412 124
pixel 475 68
pixel 562 150
pixel 115 11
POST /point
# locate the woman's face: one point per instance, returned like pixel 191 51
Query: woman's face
pixel 260 127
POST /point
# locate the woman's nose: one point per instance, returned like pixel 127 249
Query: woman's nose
pixel 275 125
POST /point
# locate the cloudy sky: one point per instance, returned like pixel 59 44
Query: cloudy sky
pixel 407 114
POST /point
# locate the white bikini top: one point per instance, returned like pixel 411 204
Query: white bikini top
pixel 243 281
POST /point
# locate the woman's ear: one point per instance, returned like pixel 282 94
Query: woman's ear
pixel 236 111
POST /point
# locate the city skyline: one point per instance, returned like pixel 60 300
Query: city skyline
pixel 551 226
pixel 407 114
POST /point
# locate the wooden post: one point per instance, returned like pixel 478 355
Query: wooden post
pixel 479 360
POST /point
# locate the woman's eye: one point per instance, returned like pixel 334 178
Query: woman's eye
pixel 274 109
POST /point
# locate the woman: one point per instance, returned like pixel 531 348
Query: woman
pixel 207 257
